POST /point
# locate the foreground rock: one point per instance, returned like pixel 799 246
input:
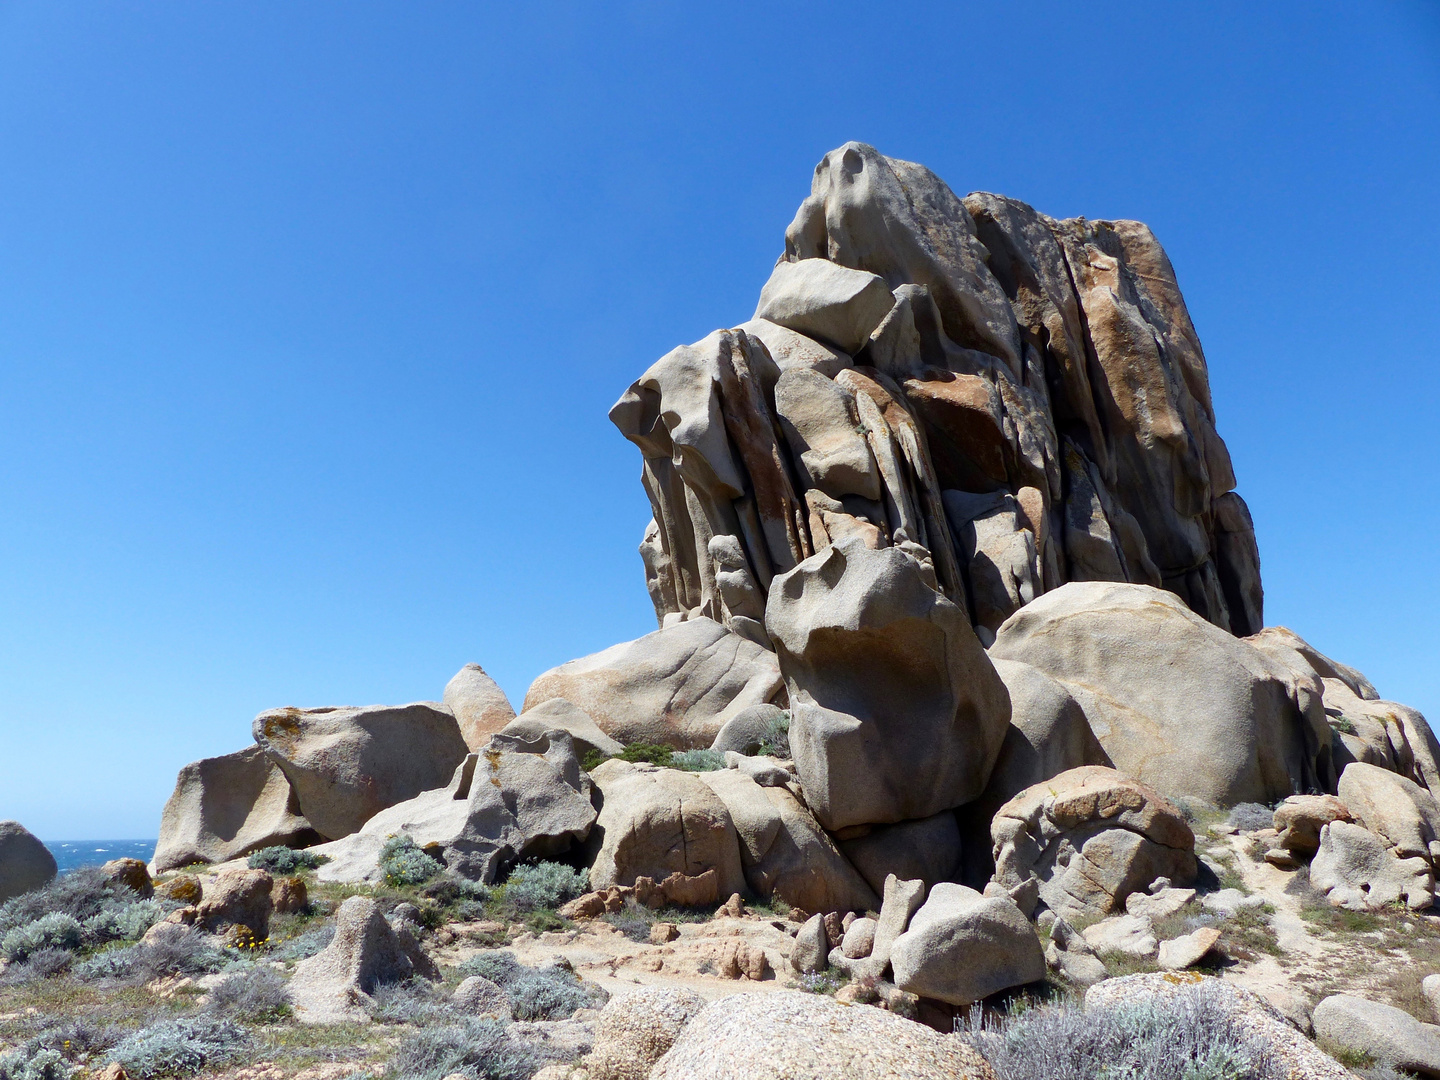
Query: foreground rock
pixel 961 947
pixel 480 706
pixel 226 807
pixel 676 687
pixel 634 1030
pixel 896 713
pixel 348 764
pixel 1175 701
pixel 785 853
pixel 1091 837
pixel 25 863
pixel 1380 1032
pixel 524 797
pixel 333 985
pixel 654 822
pixel 788 1035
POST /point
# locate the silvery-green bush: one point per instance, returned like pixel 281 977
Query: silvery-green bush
pixel 40 1064
pixel 548 993
pixel 478 1048
pixel 178 1047
pixel 697 760
pixel 57 930
pixel 404 863
pixel 544 885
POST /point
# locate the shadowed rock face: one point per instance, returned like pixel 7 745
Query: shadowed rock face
pixel 1023 398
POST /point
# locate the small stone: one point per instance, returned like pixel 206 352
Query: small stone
pixel 834 931
pixel 1181 952
pixel 1158 905
pixel 289 895
pixel 1129 934
pixel 479 996
pixel 859 939
pixel 733 908
pixel 663 932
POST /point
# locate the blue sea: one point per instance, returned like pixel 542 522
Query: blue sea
pixel 73 854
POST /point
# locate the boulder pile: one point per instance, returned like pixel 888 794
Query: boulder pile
pixel 959 628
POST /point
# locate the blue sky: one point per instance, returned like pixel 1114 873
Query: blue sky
pixel 310 317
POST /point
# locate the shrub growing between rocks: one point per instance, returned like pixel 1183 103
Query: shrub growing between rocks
pixel 1247 817
pixel 283 861
pixel 178 1047
pixel 253 997
pixel 697 760
pixel 306 943
pixel 776 741
pixel 183 954
pixel 478 1048
pixel 549 993
pixel 416 1001
pixel 533 886
pixel 404 863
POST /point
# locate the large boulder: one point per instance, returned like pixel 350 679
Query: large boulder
pixel 480 706
pixel 1379 1031
pixel 1091 837
pixel 961 947
pixel 1355 870
pixel 896 713
pixel 1299 819
pixel 238 898
pixel 1399 811
pixel 634 1030
pixel 559 713
pixel 1174 700
pixel 654 822
pixel 366 952
pixel 524 797
pixel 348 764
pixel 927 850
pixel 228 806
pixel 789 1035
pixel 677 686
pixel 819 299
pixel 784 851
pixel 25 863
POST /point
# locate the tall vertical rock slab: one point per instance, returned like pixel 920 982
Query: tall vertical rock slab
pixel 896 713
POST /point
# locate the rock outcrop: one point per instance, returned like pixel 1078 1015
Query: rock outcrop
pixel 348 764
pixel 559 713
pixel 1174 701
pixel 676 687
pixel 228 806
pixel 25 863
pixel 333 985
pixel 895 711
pixel 634 1030
pixel 1379 1031
pixel 480 706
pixel 1091 837
pixel 1024 398
pixel 524 797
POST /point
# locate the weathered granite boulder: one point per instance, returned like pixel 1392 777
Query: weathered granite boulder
pixel 1355 870
pixel 783 849
pixel 1175 701
pixel 821 300
pixel 25 863
pixel 797 1036
pixel 747 730
pixel 366 952
pixel 1091 837
pixel 559 713
pixel 961 947
pixel 677 686
pixel 811 947
pixel 225 807
pixel 1396 809
pixel 348 764
pixel 524 797
pixel 237 898
pixel 634 1030
pixel 131 873
pixel 927 850
pixel 654 822
pixel 821 425
pixel 1379 1031
pixel 896 713
pixel 480 706
pixel 997 556
pixel 1299 819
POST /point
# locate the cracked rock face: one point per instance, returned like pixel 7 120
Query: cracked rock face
pixel 1023 398
pixel 1091 837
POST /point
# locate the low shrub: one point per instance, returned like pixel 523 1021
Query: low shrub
pixel 532 886
pixel 820 982
pixel 548 993
pixel 284 861
pixel 1247 817
pixel 404 863
pixel 182 954
pixel 58 930
pixel 178 1047
pixel 41 964
pixel 306 943
pixel 40 1064
pixel 255 997
pixel 79 894
pixel 1193 1036
pixel 478 1048
pixel 650 752
pixel 418 1002
pixel 632 920
pixel 697 760
pixel 123 922
pixel 776 741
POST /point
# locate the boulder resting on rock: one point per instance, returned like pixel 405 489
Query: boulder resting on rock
pixel 479 705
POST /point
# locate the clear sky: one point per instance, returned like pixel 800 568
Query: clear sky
pixel 311 314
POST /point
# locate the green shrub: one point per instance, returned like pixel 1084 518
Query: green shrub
pixel 284 861
pixel 478 1048
pixel 418 1002
pixel 532 886
pixel 182 954
pixel 80 894
pixel 651 752
pixel 404 863
pixel 123 922
pixel 178 1047
pixel 254 997
pixel 548 993
pixel 41 1064
pixel 820 982
pixel 54 931
pixel 41 964
pixel 697 760
pixel 776 741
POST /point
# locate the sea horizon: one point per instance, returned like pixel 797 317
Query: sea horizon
pixel 74 854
